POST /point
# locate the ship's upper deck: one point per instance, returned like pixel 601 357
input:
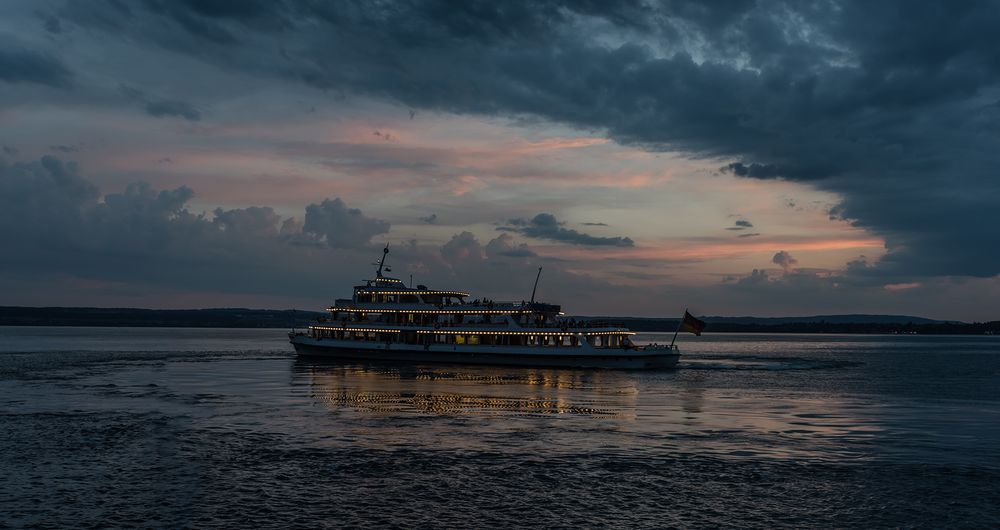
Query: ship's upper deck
pixel 401 300
pixel 384 290
pixel 385 294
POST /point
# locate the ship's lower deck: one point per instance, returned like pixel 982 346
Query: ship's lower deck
pixel 634 359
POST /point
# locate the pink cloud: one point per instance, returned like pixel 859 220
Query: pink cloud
pixel 709 249
pixel 901 286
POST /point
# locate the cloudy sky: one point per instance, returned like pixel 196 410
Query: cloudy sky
pixel 762 158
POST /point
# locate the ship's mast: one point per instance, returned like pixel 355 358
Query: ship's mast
pixel 535 288
pixel 381 262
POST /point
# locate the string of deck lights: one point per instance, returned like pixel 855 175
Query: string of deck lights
pixel 415 291
pixel 432 311
pixel 474 332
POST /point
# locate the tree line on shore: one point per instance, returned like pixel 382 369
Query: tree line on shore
pixel 287 318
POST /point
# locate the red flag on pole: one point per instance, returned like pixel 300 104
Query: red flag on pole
pixel 692 324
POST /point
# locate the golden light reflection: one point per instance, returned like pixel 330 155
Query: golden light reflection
pixel 682 410
pixel 451 390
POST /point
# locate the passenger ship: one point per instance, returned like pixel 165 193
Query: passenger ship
pixel 385 320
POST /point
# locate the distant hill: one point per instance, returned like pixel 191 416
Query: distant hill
pixel 131 317
pixel 832 319
pixel 285 318
pixel 811 324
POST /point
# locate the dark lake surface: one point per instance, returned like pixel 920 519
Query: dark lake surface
pixel 226 428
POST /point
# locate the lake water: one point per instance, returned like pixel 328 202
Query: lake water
pixel 227 428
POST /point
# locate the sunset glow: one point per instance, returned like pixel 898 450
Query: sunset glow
pixel 602 176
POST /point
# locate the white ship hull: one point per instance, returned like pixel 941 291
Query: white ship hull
pixel 578 357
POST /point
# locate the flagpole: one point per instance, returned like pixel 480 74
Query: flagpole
pixel 678 330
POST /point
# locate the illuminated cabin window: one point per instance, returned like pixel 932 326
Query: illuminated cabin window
pixel 459 339
pixel 473 339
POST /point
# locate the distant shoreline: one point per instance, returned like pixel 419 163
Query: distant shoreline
pixel 169 318
pixel 287 318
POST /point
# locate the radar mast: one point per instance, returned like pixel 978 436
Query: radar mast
pixel 381 261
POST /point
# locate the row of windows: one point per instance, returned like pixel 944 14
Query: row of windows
pixel 382 298
pixel 606 341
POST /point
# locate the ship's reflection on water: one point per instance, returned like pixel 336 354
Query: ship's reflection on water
pixel 448 389
pixel 732 399
pixel 229 430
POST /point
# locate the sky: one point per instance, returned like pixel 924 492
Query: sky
pixel 731 158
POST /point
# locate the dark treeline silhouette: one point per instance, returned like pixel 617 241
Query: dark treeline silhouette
pixel 274 318
pixel 790 325
pixel 130 317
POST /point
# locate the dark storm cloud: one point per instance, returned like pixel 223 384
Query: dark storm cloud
pixel 174 108
pixel 757 277
pixel 430 219
pixel 340 226
pixel 740 224
pixel 260 221
pixel 891 105
pixel 50 22
pixel 462 247
pixel 766 171
pixel 790 284
pixel 465 248
pixel 59 148
pixel 21 65
pixel 54 221
pixel 546 226
pixel 784 260
pixel 160 107
pixel 504 245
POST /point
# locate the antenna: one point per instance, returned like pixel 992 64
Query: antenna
pixel 381 262
pixel 535 288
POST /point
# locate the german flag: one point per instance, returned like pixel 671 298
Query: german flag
pixel 692 324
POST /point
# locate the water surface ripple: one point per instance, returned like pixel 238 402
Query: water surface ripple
pixel 185 428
